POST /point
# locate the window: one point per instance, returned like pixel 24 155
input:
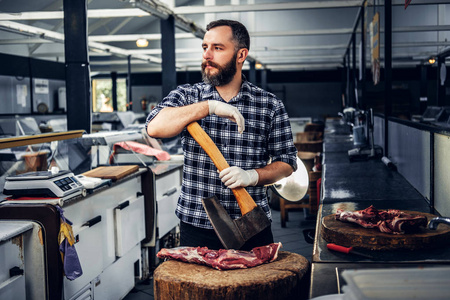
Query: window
pixel 102 95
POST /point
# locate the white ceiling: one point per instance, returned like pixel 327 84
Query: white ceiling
pixel 285 35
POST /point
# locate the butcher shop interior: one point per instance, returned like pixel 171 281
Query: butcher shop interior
pixel 340 152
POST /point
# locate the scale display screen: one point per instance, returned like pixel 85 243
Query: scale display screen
pixel 66 183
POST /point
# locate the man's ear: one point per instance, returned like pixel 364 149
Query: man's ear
pixel 242 55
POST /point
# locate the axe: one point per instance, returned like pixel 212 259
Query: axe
pixel 232 233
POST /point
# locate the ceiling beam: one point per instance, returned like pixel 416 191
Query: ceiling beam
pixel 158 9
pixel 27 30
pixel 255 50
pixel 186 10
pixel 162 11
pixel 314 32
pixel 417 2
pixel 92 13
pixel 138 12
pixel 134 37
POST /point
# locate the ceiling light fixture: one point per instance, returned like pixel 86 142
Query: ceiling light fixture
pixel 431 60
pixel 258 65
pixel 142 43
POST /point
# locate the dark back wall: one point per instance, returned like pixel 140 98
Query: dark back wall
pixel 313 94
pixel 318 94
pixel 313 99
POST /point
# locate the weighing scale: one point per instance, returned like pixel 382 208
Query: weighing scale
pixel 43 184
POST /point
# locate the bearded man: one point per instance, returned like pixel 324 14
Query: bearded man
pixel 249 125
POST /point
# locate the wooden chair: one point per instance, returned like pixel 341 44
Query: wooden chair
pixel 286 206
pixel 309 146
pixel 307 159
pixel 308 136
pixel 310 201
pixel 311 141
pixel 314 127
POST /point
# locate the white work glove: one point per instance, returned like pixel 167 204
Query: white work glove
pixel 234 177
pixel 228 111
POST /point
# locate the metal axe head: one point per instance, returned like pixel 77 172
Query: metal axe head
pixel 234 233
pixel 222 223
pixel 252 223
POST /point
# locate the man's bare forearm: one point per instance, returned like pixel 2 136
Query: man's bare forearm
pixel 273 172
pixel 170 121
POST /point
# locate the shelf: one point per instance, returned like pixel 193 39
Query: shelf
pixel 39 138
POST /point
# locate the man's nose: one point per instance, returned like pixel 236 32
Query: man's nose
pixel 207 54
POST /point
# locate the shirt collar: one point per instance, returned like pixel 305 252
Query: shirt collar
pixel 210 92
pixel 246 90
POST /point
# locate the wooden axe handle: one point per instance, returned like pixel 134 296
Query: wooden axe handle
pixel 244 200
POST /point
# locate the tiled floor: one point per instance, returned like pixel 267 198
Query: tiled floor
pixel 291 237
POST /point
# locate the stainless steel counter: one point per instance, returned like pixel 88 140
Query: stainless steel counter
pixel 356 186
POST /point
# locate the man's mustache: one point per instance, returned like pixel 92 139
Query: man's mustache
pixel 209 63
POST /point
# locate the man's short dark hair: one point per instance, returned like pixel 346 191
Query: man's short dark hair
pixel 240 33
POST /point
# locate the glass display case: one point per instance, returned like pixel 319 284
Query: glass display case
pixel 79 152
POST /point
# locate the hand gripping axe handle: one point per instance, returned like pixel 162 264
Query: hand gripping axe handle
pixel 232 233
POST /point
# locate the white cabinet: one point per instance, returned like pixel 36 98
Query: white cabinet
pixel 108 226
pixel 115 281
pixel 168 188
pixel 89 245
pixel 12 286
pixel 129 225
pixel 22 267
pixel 166 217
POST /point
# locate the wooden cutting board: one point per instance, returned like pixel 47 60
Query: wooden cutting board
pixel 353 235
pixel 112 172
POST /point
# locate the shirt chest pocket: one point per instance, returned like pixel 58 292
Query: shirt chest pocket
pixel 255 135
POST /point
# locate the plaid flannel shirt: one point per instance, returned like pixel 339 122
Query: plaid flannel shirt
pixel 267 137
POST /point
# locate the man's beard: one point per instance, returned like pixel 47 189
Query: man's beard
pixel 224 75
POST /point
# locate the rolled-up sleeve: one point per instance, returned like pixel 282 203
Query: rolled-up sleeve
pixel 281 145
pixel 175 98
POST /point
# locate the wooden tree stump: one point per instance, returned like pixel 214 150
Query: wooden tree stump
pixel 285 278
